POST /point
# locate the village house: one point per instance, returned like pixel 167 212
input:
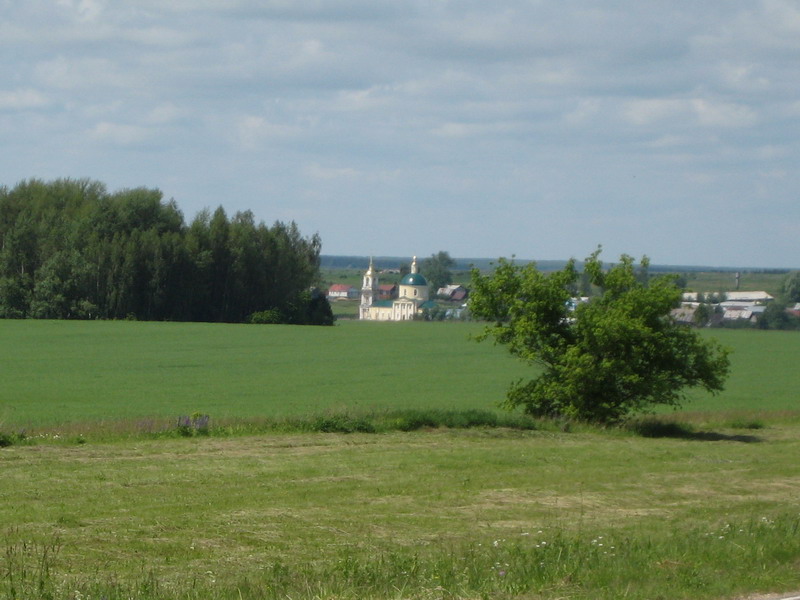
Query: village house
pixel 735 306
pixel 387 291
pixel 453 293
pixel 342 291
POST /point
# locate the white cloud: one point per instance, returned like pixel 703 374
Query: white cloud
pixel 253 131
pixel 647 111
pixel 97 73
pixel 723 114
pixel 119 133
pixel 165 113
pixel 436 105
pixel 316 171
pixel 23 99
pixel 84 10
pixel 710 113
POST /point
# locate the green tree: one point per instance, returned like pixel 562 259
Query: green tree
pixel 791 287
pixel 617 354
pixel 69 249
pixel 702 314
pixel 776 317
pixel 436 269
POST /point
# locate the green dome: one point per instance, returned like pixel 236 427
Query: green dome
pixel 414 279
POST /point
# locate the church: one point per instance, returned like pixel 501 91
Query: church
pixel 412 298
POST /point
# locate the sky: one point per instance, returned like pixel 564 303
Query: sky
pixel 539 129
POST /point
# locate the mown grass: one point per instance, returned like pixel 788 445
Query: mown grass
pixel 483 513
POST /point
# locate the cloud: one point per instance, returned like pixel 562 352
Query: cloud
pixel 253 131
pixel 23 99
pixel 441 107
pixel 84 10
pixel 316 171
pixel 81 73
pixel 119 133
pixel 711 113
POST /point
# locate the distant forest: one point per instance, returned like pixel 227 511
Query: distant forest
pixel 488 264
pixel 69 249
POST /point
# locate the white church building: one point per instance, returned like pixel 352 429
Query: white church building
pixel 413 297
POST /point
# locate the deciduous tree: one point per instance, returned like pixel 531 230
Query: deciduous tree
pixel 615 355
pixel 436 270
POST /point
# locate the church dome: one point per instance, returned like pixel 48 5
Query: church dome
pixel 414 279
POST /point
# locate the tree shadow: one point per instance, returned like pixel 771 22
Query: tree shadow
pixel 657 429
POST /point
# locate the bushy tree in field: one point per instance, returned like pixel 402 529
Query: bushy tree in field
pixel 436 269
pixel 790 289
pixel 615 355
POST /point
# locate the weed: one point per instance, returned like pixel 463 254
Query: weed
pixel 742 423
pixel 9 439
pixel 197 424
pixel 542 564
pixel 28 567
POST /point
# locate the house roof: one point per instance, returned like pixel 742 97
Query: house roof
pixel 732 296
pixel 744 296
pixel 340 287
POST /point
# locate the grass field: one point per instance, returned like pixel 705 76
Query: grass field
pixel 57 372
pixel 444 513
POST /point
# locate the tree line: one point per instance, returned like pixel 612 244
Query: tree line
pixel 69 249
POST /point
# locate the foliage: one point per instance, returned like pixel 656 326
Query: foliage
pixel 310 308
pixel 790 288
pixel 437 270
pixel 775 316
pixel 617 354
pixel 71 250
pixel 702 314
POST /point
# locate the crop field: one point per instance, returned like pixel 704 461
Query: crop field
pixel 709 511
pixel 57 372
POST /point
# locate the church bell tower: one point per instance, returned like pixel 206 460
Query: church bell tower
pixel 369 290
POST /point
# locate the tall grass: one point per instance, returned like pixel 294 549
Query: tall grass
pixel 334 421
pixel 752 554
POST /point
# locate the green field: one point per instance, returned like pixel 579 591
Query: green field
pixel 57 372
pixel 576 513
